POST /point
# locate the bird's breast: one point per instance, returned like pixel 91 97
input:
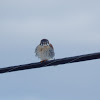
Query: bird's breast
pixel 43 48
pixel 45 52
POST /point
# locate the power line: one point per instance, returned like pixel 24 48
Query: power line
pixel 52 62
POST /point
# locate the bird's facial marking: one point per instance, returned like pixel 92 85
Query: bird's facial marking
pixel 44 42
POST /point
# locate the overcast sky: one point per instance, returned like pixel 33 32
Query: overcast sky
pixel 73 27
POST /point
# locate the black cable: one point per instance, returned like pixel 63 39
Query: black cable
pixel 51 62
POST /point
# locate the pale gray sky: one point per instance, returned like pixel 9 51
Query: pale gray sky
pixel 72 27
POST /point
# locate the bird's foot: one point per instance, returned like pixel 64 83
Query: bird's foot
pixel 43 61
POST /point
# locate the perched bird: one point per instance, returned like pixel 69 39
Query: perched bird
pixel 45 50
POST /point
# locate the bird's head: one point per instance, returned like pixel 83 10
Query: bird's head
pixel 44 42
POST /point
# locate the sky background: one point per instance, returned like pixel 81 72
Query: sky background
pixel 73 27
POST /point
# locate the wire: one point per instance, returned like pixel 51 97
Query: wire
pixel 52 62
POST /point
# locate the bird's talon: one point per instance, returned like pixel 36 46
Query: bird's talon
pixel 43 61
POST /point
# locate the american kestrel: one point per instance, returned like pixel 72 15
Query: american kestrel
pixel 45 50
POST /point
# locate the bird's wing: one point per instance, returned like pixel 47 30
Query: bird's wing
pixel 51 51
pixel 51 46
pixel 36 51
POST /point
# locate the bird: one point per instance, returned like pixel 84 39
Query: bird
pixel 45 50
